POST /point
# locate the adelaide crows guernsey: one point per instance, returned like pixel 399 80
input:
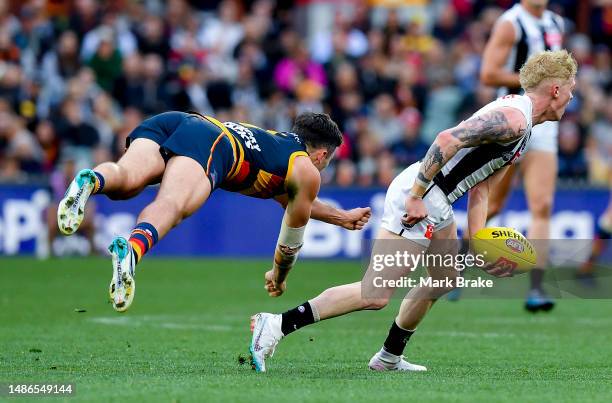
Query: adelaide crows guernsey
pixel 263 159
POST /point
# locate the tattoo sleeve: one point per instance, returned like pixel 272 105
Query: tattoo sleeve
pixel 491 127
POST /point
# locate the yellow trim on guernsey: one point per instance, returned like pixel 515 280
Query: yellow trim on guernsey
pixel 290 164
pixel 270 131
pixel 236 147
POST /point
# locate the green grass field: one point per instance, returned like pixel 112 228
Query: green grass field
pixel 183 338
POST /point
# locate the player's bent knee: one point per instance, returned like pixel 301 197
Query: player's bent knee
pixel 124 194
pixel 542 207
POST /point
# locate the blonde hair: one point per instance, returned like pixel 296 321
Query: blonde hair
pixel 557 64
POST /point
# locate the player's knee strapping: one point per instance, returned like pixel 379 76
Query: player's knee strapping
pixel 142 238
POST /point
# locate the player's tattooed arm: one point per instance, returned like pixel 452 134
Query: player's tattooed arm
pixel 498 126
pixel 491 127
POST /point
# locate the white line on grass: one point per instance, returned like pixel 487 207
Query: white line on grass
pixel 160 321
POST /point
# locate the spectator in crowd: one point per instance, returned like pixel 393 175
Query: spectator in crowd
pixel 385 169
pixel 572 162
pixel 9 52
pixel 152 36
pixel 49 143
pixel 600 145
pixel 346 173
pixel 80 74
pixel 410 148
pixel 115 26
pixel 106 121
pixel 79 138
pixel 384 122
pixel 11 79
pixel 128 89
pixel 106 61
pixel 444 98
pixel 8 21
pixel 35 35
pixel 369 148
pixel 59 65
pixel 297 66
pixel 18 146
pixel 223 32
pixel 155 96
pixel 84 17
pixel 245 92
pixel 447 27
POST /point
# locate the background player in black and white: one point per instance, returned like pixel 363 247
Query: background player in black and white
pixel 418 207
pixel 523 30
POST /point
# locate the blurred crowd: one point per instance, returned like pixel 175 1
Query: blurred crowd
pixel 76 76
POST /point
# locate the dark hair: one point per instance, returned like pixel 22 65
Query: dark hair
pixel 317 130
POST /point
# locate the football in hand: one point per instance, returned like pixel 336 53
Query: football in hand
pixel 502 245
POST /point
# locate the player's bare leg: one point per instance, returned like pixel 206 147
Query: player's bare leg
pixel 540 174
pixel 415 306
pixel 268 329
pixel 498 194
pixel 184 188
pixel 141 165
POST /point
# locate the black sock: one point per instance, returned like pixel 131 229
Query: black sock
pixel 397 339
pixel 297 318
pixel 537 275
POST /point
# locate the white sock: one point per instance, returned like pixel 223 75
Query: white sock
pixel 387 356
pixel 315 312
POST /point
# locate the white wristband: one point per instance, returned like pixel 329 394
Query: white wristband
pixel 290 237
pixel 422 183
pixel 412 194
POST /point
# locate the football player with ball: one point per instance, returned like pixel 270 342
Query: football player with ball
pixel 468 158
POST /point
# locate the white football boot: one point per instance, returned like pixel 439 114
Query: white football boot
pixel 266 328
pixel 383 361
pixel 122 286
pixel 71 208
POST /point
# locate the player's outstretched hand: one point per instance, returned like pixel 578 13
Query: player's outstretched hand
pixel 415 212
pixel 356 218
pixel 274 289
pixel 499 269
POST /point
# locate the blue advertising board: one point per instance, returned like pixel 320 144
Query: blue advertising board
pixel 234 225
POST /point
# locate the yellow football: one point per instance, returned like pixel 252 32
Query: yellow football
pixel 501 244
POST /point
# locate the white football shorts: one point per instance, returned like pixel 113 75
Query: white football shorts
pixel 544 137
pixel 439 209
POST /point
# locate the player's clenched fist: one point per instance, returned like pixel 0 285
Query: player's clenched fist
pixel 272 287
pixel 415 211
pixel 356 218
